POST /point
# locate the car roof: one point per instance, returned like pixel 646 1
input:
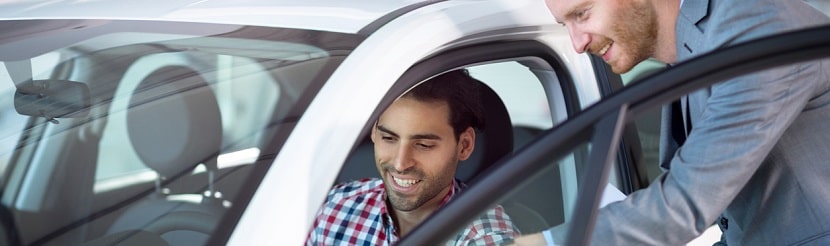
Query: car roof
pixel 324 15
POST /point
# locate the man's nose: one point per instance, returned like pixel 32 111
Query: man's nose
pixel 580 39
pixel 403 160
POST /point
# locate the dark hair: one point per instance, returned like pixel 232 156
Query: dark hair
pixel 462 94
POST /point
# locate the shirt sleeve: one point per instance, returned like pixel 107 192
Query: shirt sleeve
pixel 492 228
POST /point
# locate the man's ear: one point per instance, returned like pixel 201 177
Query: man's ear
pixel 466 143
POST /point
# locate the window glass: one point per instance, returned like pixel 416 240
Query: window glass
pixel 12 123
pixel 547 198
pixel 520 90
pixel 647 125
pixel 175 116
pixel 243 89
pixel 642 70
pixel 523 96
pixel 823 5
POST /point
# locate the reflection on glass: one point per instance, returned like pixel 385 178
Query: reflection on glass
pixel 547 199
pixel 178 115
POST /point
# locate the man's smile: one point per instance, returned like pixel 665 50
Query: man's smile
pixel 405 182
pixel 603 51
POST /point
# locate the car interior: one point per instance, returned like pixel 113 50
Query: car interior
pixel 177 126
pixel 169 140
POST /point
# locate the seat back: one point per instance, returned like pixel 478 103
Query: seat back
pixel 174 121
pixel 174 124
pixel 524 205
pixel 494 142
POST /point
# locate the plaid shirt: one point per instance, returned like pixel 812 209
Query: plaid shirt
pixel 355 213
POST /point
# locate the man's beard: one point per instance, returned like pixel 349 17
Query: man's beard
pixel 430 188
pixel 636 35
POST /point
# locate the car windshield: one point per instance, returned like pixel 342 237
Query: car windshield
pixel 105 125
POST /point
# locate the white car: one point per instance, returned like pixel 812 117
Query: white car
pixel 226 122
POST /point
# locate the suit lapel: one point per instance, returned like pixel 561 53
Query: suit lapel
pixel 689 36
pixel 688 31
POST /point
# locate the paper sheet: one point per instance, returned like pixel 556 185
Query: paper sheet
pixel 610 194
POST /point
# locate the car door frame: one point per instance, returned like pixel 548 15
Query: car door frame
pixel 485 53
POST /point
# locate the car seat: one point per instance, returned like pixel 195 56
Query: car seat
pixel 543 193
pixel 492 144
pixel 174 124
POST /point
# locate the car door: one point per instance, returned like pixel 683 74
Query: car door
pixel 591 140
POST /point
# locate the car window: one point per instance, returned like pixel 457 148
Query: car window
pixel 822 5
pixel 522 93
pixel 547 197
pixel 648 125
pixel 166 119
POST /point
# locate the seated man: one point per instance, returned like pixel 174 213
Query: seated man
pixel 418 143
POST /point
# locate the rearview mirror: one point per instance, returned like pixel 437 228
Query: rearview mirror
pixel 52 98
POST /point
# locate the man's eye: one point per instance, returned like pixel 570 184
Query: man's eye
pixel 425 146
pixel 582 14
pixel 387 138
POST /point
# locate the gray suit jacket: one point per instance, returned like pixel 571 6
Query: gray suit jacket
pixel 757 152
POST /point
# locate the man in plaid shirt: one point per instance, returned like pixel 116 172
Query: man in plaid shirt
pixel 418 141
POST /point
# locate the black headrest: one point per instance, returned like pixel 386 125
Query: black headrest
pixel 494 142
pixel 174 121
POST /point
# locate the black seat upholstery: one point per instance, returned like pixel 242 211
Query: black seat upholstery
pixel 494 142
pixel 174 124
pixel 548 183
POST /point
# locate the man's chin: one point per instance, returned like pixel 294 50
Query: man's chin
pixel 402 205
pixel 621 70
pixel 621 67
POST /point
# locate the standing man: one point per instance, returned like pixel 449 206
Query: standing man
pixel 418 142
pixel 754 159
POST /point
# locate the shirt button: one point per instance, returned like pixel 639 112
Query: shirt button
pixel 724 223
